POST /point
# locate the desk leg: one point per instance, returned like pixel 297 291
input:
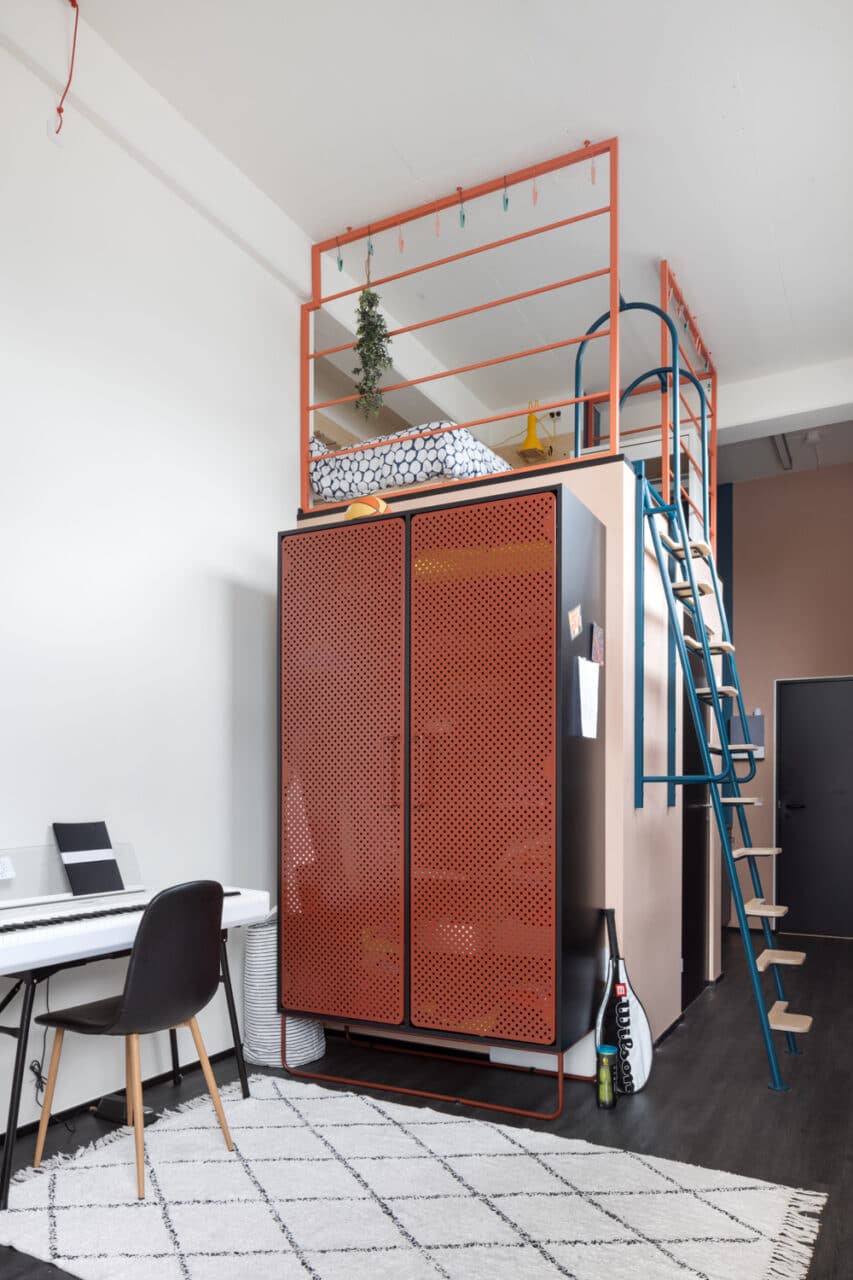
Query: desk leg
pixel 232 1014
pixel 176 1062
pixel 17 1083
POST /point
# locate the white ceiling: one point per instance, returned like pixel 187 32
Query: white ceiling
pixel 735 123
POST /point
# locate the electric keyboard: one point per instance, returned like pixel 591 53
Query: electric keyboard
pixel 40 936
pixel 73 917
pixel 37 922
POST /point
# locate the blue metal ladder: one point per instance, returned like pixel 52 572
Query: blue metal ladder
pixel 676 553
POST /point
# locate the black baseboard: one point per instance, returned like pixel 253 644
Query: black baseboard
pixel 673 1026
pixel 91 1105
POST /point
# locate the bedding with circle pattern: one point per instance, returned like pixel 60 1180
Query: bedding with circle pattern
pixel 398 462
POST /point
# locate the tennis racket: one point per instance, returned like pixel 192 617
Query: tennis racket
pixel 622 1020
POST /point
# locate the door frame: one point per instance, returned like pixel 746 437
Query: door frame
pixel 776 683
pixel 705 879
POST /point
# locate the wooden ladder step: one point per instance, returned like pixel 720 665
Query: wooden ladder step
pixel 719 646
pixel 683 590
pixel 769 910
pixel 740 800
pixel 697 548
pixel 759 851
pixel 726 690
pixel 735 748
pixel 781 1020
pixel 774 956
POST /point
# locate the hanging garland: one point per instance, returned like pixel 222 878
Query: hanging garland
pixel 372 347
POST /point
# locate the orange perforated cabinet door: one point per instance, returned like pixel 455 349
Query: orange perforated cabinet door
pixel 343 640
pixel 483 769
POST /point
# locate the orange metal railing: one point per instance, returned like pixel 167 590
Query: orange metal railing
pixel 697 358
pixel 607 151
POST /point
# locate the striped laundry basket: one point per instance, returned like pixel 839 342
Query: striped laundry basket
pixel 261 1018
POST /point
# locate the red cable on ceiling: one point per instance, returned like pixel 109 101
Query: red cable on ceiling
pixel 60 108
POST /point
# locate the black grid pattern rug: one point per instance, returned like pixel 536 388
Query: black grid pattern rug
pixel 336 1186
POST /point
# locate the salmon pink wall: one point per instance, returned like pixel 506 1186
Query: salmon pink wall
pixel 793 595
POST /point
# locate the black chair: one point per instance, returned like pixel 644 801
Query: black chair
pixel 172 974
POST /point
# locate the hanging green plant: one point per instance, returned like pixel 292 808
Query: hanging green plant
pixel 372 347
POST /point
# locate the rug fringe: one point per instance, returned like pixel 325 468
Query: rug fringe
pixel 795 1242
pixel 67 1157
pixel 228 1092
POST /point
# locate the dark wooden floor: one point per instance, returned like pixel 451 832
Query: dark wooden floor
pixel 707 1102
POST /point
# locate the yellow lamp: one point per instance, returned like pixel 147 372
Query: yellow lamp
pixel 532 450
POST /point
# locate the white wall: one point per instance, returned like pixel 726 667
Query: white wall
pixel 148 378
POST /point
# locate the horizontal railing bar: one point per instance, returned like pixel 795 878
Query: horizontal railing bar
pixel 468 194
pixel 682 779
pixel 470 311
pixel 466 253
pixel 465 368
pixel 455 426
pixel 638 431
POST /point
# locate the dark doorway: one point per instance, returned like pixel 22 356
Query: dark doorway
pixel 814 804
pixel 694 851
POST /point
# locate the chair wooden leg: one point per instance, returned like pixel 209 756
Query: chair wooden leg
pixel 48 1095
pixel 211 1082
pixel 138 1116
pixel 128 1082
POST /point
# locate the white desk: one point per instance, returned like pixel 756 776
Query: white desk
pixel 33 946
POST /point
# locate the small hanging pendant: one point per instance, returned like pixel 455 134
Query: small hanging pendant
pixel 586 143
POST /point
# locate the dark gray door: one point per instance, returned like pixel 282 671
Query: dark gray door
pixel 814 804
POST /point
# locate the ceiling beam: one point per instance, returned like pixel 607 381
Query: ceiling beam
pixel 790 400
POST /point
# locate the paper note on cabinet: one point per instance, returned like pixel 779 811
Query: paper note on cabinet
pixel 584 699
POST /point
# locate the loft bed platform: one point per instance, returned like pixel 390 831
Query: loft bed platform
pixel 462 485
pixel 521 371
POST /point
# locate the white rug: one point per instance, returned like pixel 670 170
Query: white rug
pixel 338 1186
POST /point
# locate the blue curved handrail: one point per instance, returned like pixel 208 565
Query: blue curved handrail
pixel 662 371
pixel 676 382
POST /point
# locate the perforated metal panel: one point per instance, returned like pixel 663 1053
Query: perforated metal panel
pixel 343 690
pixel 483 663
